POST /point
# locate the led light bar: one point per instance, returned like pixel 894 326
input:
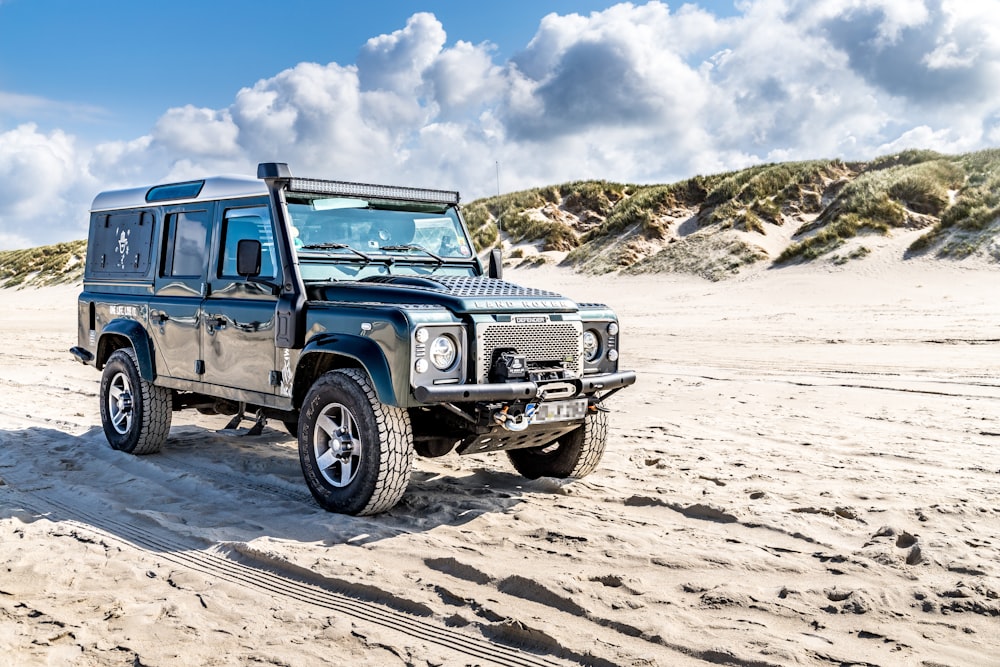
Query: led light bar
pixel 369 191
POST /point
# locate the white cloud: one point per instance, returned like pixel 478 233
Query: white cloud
pixel 462 78
pixel 16 105
pixel 197 132
pixel 923 136
pixel 635 93
pixel 38 175
pixel 396 62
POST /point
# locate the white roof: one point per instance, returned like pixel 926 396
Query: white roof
pixel 216 187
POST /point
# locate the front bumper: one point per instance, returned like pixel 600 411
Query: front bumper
pixel 512 391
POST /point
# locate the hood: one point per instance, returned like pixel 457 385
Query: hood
pixel 460 294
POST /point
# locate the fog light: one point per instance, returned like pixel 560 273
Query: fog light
pixel 612 355
pixel 421 365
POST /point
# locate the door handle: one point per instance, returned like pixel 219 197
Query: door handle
pixel 159 318
pixel 215 323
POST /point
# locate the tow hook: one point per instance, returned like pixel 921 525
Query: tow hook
pixel 515 422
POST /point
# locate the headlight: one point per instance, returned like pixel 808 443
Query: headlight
pixel 591 345
pixel 443 352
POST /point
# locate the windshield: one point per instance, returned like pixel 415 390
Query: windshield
pixel 371 228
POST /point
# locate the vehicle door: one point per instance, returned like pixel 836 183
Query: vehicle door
pixel 238 336
pixel 179 287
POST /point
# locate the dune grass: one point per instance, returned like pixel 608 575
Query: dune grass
pixel 888 193
pixel 44 265
pixel 960 230
pixel 609 226
pixel 957 198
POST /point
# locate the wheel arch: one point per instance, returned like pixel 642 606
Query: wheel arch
pixel 335 352
pixel 127 333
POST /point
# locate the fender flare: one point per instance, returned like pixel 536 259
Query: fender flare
pixel 366 354
pixel 141 343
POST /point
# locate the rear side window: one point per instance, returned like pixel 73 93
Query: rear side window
pixel 120 244
pixel 247 223
pixel 185 252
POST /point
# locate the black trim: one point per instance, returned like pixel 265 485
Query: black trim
pixel 82 354
pixel 290 311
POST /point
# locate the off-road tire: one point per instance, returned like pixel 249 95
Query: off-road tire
pixel 370 477
pixel 138 423
pixel 574 455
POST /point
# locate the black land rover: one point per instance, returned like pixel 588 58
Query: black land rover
pixel 358 315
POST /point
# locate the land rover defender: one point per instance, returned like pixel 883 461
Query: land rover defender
pixel 358 315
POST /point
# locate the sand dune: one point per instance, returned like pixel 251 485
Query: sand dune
pixel 806 473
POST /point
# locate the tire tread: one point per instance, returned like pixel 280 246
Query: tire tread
pixel 394 434
pixel 156 409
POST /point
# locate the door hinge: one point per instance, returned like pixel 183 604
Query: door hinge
pixel 199 367
pixel 275 378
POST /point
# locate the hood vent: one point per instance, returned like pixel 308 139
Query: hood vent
pixel 464 286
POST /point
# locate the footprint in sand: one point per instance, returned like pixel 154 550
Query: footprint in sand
pixel 904 540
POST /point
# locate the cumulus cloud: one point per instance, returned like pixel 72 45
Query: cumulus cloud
pixel 396 62
pixel 197 132
pixel 38 176
pixel 637 92
pixel 929 57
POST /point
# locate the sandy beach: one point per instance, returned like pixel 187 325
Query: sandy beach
pixel 807 472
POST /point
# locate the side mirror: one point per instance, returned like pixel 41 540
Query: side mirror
pixel 496 264
pixel 248 258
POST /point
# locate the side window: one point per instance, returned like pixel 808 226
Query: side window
pixel 186 249
pixel 247 223
pixel 120 244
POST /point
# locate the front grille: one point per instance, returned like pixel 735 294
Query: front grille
pixel 550 341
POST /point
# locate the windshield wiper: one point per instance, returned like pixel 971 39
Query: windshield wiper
pixel 336 246
pixel 412 246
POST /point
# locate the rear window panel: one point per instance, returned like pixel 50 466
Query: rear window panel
pixel 121 244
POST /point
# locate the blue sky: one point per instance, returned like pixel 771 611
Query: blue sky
pixel 116 65
pixel 115 94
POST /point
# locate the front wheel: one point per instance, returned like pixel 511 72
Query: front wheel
pixel 135 413
pixel 356 453
pixel 573 455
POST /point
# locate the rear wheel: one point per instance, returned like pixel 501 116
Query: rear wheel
pixel 356 453
pixel 573 455
pixel 135 413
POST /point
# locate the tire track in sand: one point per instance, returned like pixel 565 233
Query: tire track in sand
pixel 172 549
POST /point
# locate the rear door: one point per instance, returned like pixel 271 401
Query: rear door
pixel 180 285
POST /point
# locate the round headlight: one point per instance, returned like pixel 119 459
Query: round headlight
pixel 443 352
pixel 591 345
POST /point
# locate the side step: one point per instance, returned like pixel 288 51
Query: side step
pixel 260 421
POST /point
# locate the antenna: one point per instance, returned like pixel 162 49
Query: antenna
pixel 499 222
